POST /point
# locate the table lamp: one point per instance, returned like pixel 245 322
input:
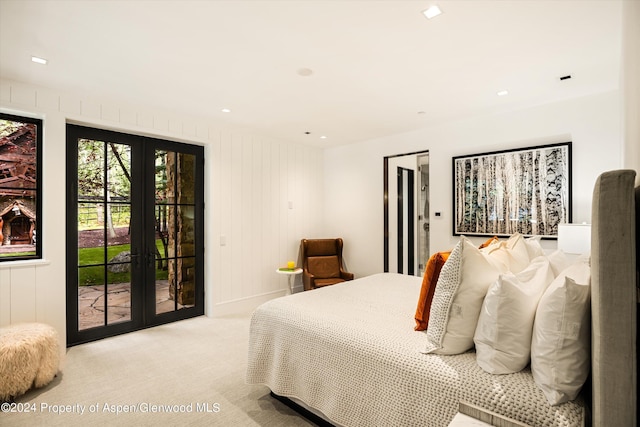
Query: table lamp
pixel 574 238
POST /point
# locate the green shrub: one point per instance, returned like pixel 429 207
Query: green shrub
pixel 94 260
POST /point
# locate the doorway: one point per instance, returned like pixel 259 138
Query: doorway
pixel 406 221
pixel 423 212
pixel 135 245
pixel 21 231
pixel 406 212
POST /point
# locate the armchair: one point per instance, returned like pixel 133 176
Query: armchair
pixel 322 263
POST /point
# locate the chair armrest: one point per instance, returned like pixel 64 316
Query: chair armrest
pixel 308 280
pixel 346 275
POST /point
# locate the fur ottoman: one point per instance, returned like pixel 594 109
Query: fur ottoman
pixel 29 357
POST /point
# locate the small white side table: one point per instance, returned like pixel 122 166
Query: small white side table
pixel 290 274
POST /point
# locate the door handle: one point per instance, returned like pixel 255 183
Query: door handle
pixel 148 259
pixel 135 259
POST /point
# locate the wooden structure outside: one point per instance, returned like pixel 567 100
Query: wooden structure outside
pixel 18 185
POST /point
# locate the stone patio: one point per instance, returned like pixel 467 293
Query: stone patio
pixel 91 303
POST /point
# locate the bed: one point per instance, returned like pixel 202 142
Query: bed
pixel 349 353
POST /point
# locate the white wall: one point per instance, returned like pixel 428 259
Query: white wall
pixel 353 173
pixel 249 182
pixel 631 83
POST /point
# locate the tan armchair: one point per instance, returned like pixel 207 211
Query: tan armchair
pixel 322 263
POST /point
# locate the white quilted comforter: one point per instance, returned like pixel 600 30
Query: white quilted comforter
pixel 350 352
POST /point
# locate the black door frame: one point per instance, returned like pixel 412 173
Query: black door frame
pixel 142 229
pixel 385 201
pixel 409 213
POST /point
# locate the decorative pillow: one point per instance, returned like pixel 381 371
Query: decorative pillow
pixel 559 261
pixel 489 242
pixel 493 243
pixel 515 258
pixel 560 347
pixel 429 280
pixel 534 248
pixel 505 325
pixel 462 285
pixel 519 252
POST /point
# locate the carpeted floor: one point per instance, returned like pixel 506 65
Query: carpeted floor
pixel 188 373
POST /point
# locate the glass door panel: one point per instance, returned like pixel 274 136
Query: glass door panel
pixel 186 185
pixel 118 297
pixel 103 227
pixel 175 185
pixel 90 311
pixel 164 302
pixel 164 192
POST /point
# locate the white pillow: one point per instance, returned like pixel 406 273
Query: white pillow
pixel 534 248
pixel 560 359
pixel 559 261
pixel 493 245
pixel 505 325
pixel 462 285
pixel 513 253
pixel 518 250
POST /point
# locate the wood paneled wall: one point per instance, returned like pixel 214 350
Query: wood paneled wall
pixel 262 197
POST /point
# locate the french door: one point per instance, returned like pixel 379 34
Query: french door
pixel 135 232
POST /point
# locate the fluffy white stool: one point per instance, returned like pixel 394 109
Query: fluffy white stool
pixel 29 357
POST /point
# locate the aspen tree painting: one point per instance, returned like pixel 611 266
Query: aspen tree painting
pixel 526 191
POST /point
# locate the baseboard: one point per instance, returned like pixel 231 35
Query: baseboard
pixel 243 305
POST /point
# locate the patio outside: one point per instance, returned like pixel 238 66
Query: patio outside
pixel 91 296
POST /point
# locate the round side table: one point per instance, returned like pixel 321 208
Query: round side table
pixel 290 274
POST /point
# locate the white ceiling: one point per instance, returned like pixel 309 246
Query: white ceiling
pixel 376 64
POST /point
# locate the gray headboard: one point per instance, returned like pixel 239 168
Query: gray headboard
pixel 613 300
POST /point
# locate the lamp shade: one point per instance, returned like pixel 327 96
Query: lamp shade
pixel 574 238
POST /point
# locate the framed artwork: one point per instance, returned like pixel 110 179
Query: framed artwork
pixel 526 191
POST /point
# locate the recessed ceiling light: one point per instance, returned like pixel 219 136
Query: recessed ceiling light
pixel 226 110
pixel 323 137
pixel 38 60
pixel 432 12
pixel 503 93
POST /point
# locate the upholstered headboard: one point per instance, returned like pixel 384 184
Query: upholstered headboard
pixel 613 300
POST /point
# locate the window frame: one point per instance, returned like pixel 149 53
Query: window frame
pixel 37 188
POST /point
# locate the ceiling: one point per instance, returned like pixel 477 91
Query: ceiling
pixel 377 67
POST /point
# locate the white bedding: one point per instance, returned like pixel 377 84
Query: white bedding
pixel 350 352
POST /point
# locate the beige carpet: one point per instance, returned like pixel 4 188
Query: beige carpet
pixel 188 373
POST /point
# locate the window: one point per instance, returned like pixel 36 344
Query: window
pixel 20 188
